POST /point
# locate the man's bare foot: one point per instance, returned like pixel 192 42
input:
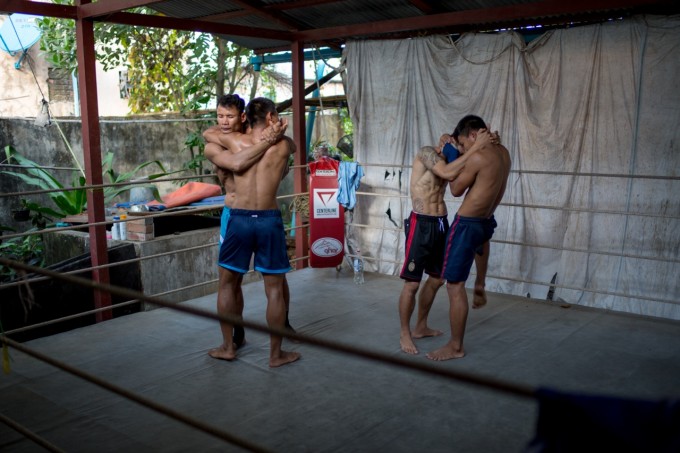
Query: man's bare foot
pixel 479 297
pixel 407 344
pixel 426 332
pixel 223 352
pixel 446 353
pixel 283 358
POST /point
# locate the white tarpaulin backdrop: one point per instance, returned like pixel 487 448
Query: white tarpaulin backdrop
pixel 591 117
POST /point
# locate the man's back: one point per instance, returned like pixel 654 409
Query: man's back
pixel 256 187
pixel 485 177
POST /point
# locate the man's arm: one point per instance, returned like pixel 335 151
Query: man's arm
pixel 245 158
pixel 467 177
pixel 212 135
pixel 429 157
pixel 453 169
pixel 272 134
pixel 237 162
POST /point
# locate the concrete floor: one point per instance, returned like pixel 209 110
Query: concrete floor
pixel 330 401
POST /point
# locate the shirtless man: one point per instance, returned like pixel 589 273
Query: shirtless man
pixel 231 118
pixel 255 226
pixel 425 231
pixel 484 177
pixel 482 253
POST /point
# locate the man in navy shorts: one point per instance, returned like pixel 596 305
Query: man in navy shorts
pixel 255 227
pixel 231 118
pixel 426 230
pixel 483 181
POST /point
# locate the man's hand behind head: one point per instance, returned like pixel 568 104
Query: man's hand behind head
pixel 274 131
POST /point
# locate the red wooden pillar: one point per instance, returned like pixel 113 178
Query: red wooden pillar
pixel 300 174
pixel 87 89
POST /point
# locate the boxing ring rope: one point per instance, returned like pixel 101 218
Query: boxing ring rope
pixel 30 434
pixel 212 208
pixel 112 306
pixel 448 202
pixel 555 173
pixel 103 186
pixel 146 402
pixel 462 376
pixel 123 262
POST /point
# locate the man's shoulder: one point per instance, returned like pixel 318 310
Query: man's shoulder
pixel 286 144
pixel 489 156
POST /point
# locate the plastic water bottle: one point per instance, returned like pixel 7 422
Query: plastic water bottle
pixel 115 228
pixel 122 227
pixel 358 269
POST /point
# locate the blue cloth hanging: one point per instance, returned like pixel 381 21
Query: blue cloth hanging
pixel 349 178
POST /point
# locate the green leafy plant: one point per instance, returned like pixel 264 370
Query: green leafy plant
pixel 68 202
pixel 39 215
pixel 73 200
pixel 116 178
pixel 168 70
pixel 26 249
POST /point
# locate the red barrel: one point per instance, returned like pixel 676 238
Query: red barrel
pixel 326 215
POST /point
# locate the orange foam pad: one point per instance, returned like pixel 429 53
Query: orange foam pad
pixel 188 193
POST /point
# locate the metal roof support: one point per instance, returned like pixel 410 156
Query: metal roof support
pixel 258 60
pixel 87 89
pixel 300 159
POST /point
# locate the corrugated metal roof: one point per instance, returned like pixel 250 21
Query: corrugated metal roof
pixel 334 21
pixel 271 25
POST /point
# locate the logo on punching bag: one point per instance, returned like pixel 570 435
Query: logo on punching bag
pixel 325 203
pixel 326 247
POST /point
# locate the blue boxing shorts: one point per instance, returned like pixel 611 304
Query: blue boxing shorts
pixel 467 235
pixel 224 220
pixel 255 232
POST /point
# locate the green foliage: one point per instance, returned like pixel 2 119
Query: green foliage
pixel 116 178
pixel 346 121
pixel 73 200
pixel 68 202
pixel 168 70
pixel 27 249
pixel 39 214
pixel 195 146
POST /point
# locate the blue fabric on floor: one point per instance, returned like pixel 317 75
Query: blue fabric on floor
pixel 582 423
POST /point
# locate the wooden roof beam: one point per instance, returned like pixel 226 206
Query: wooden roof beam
pixel 104 8
pixel 38 9
pixel 503 14
pixel 146 20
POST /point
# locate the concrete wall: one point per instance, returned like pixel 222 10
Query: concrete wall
pixel 133 140
pixel 174 276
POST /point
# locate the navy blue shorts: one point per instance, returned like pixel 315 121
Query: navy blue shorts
pixel 224 221
pixel 467 235
pixel 258 232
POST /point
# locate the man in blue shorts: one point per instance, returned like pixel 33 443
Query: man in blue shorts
pixel 231 118
pixel 255 227
pixel 483 181
pixel 425 231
